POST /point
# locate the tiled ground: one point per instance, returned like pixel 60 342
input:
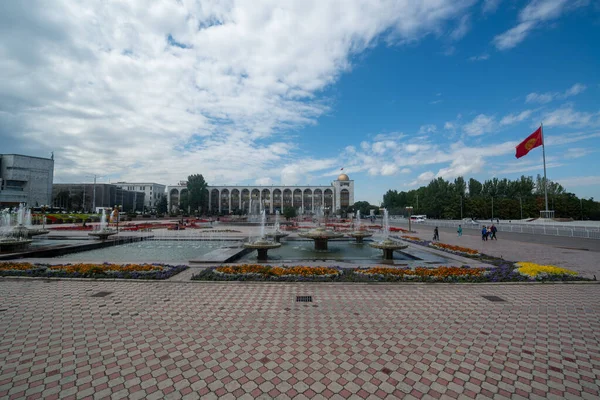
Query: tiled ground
pixel 202 340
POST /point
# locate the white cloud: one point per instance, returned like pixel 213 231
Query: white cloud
pixel 490 6
pixel 389 169
pixel 533 16
pixel 575 90
pixel 514 118
pixel 481 57
pixel 577 152
pixel 264 181
pixel 549 96
pixel 211 87
pixel 540 98
pixel 461 166
pixel 578 181
pixel 423 178
pixel 567 116
pixel 429 128
pixel 481 124
pixel 462 29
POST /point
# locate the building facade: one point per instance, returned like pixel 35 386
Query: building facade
pixel 308 199
pixel 80 197
pixel 25 179
pixel 152 191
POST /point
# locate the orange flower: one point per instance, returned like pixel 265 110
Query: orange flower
pixel 455 248
pixel 16 266
pixel 276 271
pixel 103 268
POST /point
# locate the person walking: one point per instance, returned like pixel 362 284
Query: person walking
pixel 484 233
pixel 459 230
pixel 493 230
pixel 436 234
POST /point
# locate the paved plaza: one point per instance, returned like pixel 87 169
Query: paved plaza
pixel 195 340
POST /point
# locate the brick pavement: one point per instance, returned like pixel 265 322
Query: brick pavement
pixel 191 340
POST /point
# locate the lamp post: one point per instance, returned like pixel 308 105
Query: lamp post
pixel 461 208
pixel 409 209
pixel 521 207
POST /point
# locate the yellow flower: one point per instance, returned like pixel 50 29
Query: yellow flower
pixel 533 269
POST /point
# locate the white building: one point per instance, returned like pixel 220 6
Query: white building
pixel 231 198
pixel 152 190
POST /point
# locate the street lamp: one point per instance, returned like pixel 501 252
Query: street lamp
pixel 409 209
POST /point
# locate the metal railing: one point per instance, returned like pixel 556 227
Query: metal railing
pixel 591 232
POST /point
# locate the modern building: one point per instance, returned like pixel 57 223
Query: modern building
pixel 80 196
pixel 152 191
pixel 308 199
pixel 25 179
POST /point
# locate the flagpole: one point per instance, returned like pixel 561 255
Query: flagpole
pixel 545 179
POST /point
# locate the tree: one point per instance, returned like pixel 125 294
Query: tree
pixel 289 212
pixel 363 207
pixel 197 198
pixel 162 205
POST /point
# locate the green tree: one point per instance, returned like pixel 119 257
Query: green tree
pixel 363 207
pixel 197 198
pixel 162 205
pixel 289 212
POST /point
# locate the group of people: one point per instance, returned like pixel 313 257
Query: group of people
pixel 489 232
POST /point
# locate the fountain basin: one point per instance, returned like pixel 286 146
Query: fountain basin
pixel 321 237
pixel 360 235
pixel 388 246
pixel 14 245
pixel 277 235
pixel 103 234
pixel 262 246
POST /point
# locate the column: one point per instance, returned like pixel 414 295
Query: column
pixel 229 203
pixel 271 201
pixel 302 199
pixel 209 194
pixel 219 200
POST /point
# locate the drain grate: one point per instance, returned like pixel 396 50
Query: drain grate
pixel 304 299
pixel 101 294
pixel 493 298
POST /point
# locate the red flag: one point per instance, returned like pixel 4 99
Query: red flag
pixel 534 140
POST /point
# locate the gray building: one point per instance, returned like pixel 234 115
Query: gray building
pixel 80 197
pixel 25 179
pixel 153 191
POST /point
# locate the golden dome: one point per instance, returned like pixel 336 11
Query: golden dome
pixel 343 177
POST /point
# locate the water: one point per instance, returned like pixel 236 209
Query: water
pixel 298 250
pixel 358 221
pixel 386 224
pixel 171 251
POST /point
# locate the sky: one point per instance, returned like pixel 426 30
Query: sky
pixel 271 92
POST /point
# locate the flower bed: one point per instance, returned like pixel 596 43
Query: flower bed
pixel 106 270
pixel 455 249
pixel 507 272
pixel 544 272
pixel 441 273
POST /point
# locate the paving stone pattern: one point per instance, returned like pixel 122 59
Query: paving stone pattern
pixel 212 340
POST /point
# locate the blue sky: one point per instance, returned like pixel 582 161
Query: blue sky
pixel 268 93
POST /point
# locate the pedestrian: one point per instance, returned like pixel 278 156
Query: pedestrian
pixel 436 234
pixel 459 230
pixel 484 233
pixel 493 229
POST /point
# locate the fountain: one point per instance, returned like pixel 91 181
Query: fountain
pixel 387 245
pixel 359 234
pixel 16 237
pixel 277 234
pixel 104 231
pixel 262 244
